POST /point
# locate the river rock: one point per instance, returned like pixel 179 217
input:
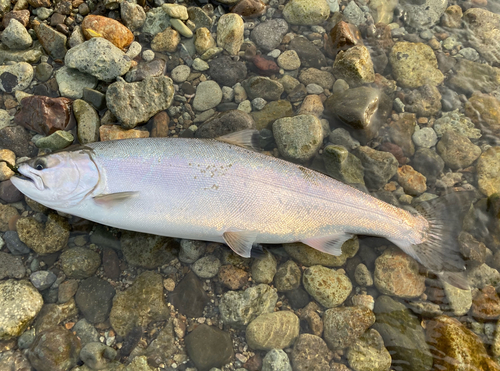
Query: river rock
pixel 423 14
pixel 11 266
pixel 71 82
pixel 457 150
pixel 276 359
pixel 309 54
pixel 98 57
pixel 264 269
pixel 449 339
pixel 80 262
pixel 483 25
pixel 271 112
pixel 94 299
pixel 488 173
pixel 275 330
pixel 53 42
pixel 225 123
pixel 263 87
pixel 368 353
pixel 107 28
pixel 310 352
pixel 156 21
pixel 306 12
pixel 412 181
pixel 132 15
pixel 355 66
pixel 329 287
pixel 403 335
pixel 17 76
pixel 55 349
pixel 147 250
pixel 298 138
pixel 470 77
pixel 208 347
pixel 19 305
pixel 342 165
pixel 56 141
pixel 414 65
pixel 268 35
pixel 15 35
pixel 308 256
pixel 238 308
pixel 230 33
pixel 344 325
pixel 379 166
pixel 135 103
pixel 287 277
pixel 140 304
pixel 208 95
pixel 314 76
pixel 44 239
pixel 97 355
pixel 458 123
pixel 484 112
pixel 401 132
pixel 88 122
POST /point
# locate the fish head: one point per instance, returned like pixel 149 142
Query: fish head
pixel 59 180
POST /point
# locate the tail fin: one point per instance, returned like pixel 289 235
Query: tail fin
pixel 440 253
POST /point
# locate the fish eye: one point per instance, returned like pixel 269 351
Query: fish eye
pixel 39 165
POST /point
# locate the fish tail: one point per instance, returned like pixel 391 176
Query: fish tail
pixel 439 252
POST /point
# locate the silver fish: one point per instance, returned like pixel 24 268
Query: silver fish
pixel 214 190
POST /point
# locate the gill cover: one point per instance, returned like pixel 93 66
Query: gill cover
pixel 59 180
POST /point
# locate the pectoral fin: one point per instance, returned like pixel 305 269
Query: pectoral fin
pixel 240 241
pixel 248 139
pixel 111 199
pixel 328 244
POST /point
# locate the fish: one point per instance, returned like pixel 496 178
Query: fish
pixel 222 190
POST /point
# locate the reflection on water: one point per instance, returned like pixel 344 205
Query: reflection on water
pixel 397 98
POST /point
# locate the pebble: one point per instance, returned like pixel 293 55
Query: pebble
pixel 97 356
pixel 176 11
pixel 276 359
pixel 488 171
pixel 269 34
pixel 208 347
pixel 342 165
pixel 481 32
pixel 44 239
pixel 135 103
pixel 208 95
pixel 54 349
pixel 458 123
pixel 140 304
pixel 14 244
pixel 42 279
pixel 414 65
pixel 397 274
pixel 457 150
pixel 314 76
pixel 114 132
pixel 67 290
pixel 329 287
pixel 287 277
pixel 275 330
pixel 303 359
pixel 94 299
pixel 52 41
pixel 344 325
pixel 98 57
pixel 180 73
pixel 189 297
pixel 225 123
pixel 72 82
pixel 17 76
pixel 428 162
pixel 10 157
pixel 206 267
pixel 15 36
pixel 484 111
pixel 232 277
pixel 238 308
pixel 107 28
pixel 79 262
pixel 472 76
pixel 20 303
pixel 132 15
pixel 249 8
pixel 363 276
pixel 263 87
pixel 200 65
pixel 227 72
pixel 146 250
pixel 264 269
pixel 230 33
pixel 369 352
pixel 289 60
pixel 425 137
pixel 354 66
pixel 412 181
pixel 156 21
pixel 379 166
pixel 199 17
pixel 298 138
pixel 11 266
pixel 306 12
pixel 178 25
pixel 88 122
pixel 309 54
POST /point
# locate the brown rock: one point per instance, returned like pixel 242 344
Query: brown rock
pixel 486 304
pixel 9 193
pixel 114 132
pixel 111 30
pixel 203 40
pixel 451 340
pixel 397 274
pixel 45 115
pixel 6 214
pixel 312 105
pixel 342 37
pixel 18 140
pixel 411 180
pixel 484 111
pixel 110 263
pixel 40 3
pixel 344 325
pixel 249 8
pixel 22 16
pixel 232 277
pixel 166 41
pixel 310 352
pixel 401 132
pixel 452 17
pixel 395 150
pixel 265 66
pixel 160 125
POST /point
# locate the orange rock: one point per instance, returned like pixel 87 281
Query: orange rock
pixel 114 31
pixel 114 132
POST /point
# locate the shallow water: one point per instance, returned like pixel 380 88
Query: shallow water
pixel 399 99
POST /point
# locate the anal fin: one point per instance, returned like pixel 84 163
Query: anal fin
pixel 240 241
pixel 331 244
pixel 248 139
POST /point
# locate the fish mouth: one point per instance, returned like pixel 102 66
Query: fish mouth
pixel 26 173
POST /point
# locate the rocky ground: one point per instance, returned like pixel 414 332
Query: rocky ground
pixel 400 99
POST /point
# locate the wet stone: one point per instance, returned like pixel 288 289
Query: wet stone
pixel 309 54
pixel 329 287
pixel 486 304
pixel 9 193
pixel 15 35
pixel 107 28
pixel 487 169
pixel 140 304
pixel 135 103
pixel 225 123
pixel 97 355
pixel 87 120
pixel 263 87
pixel 298 138
pixel 306 12
pixel 110 263
pixel 156 21
pixel 208 95
pixel 412 181
pixel 72 82
pixel 206 267
pixel 146 250
pixel 44 239
pixel 275 330
pixel 44 115
pixel 191 250
pixel 232 277
pixel 189 298
pixel 276 359
pixel 379 166
pixel 268 35
pixel 42 279
pixel 85 331
pixel 264 269
pixel 310 352
pixel 457 150
pixel 308 256
pixel 209 347
pixel 426 101
pixel 471 76
pixel 163 347
pixel 22 16
pixel 424 13
pixel 19 305
pixel 425 137
pixel 346 324
pixel 52 41
pixel 114 132
pixel 166 41
pixel 15 77
pixel 342 165
pixel 54 349
pixel 369 353
pixel 429 163
pixel 67 290
pixel 484 112
pixel 94 299
pixel 238 308
pixel 287 277
pixel 11 266
pixel 14 244
pixel 133 15
pixel 56 141
pixel 315 76
pixel 199 17
pixel 79 262
pixel 483 25
pixel 230 33
pixel 354 66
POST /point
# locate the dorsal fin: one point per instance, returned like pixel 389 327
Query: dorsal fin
pixel 248 139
